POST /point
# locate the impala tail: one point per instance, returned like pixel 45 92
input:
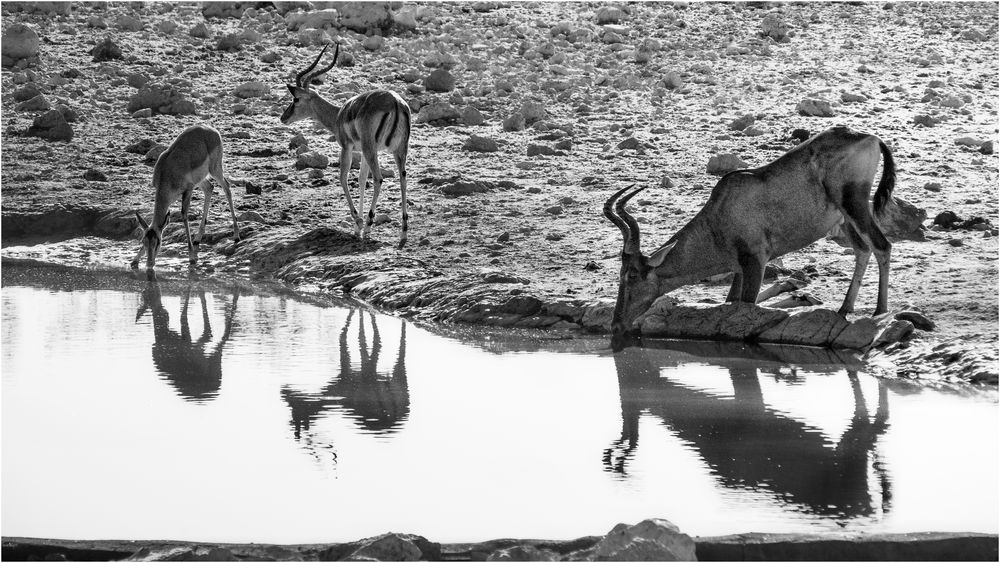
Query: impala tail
pixel 888 181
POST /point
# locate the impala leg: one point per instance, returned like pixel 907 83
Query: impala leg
pixel 206 190
pixel 345 169
pixel 862 253
pixel 220 176
pixel 185 206
pixel 372 160
pixel 736 289
pixel 753 276
pixel 857 211
pixel 362 186
pixel 403 204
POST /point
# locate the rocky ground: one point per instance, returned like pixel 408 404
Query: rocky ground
pixel 527 116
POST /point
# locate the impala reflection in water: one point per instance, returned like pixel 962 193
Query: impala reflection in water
pixel 751 445
pixel 252 415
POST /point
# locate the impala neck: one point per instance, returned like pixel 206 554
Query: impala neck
pixel 324 112
pixel 694 258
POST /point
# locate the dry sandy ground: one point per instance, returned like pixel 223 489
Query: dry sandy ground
pixel 903 61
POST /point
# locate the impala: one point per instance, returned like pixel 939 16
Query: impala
pixel 758 214
pixel 193 157
pixel 374 121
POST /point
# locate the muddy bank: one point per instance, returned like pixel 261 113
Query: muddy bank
pixel 331 261
pixel 743 547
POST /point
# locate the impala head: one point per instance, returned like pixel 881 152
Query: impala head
pixel 151 239
pixel 638 285
pixel 302 95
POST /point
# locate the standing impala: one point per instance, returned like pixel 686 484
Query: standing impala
pixel 759 214
pixel 375 121
pixel 194 155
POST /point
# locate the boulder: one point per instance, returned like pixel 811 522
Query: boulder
pixel 366 16
pixel 52 126
pixel 26 92
pixel 655 539
pixel 721 164
pixel 472 116
pixel 731 321
pixel 897 331
pixel 311 159
pixel 440 112
pixel 815 108
pixel 224 9
pixel 160 99
pixel 533 112
pixel 106 50
pixel 610 15
pixel 475 143
pixel 440 80
pixel 319 19
pixel 387 547
pixel 515 122
pixel 252 89
pixel 19 41
pixel 821 327
pixel 773 25
pixel 126 22
pixel 38 103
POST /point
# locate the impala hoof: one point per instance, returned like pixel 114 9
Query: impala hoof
pixel 135 264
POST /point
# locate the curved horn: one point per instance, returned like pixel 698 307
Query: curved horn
pixel 316 74
pixel 632 243
pixel 305 73
pixel 614 218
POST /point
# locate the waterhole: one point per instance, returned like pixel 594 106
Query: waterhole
pixel 192 410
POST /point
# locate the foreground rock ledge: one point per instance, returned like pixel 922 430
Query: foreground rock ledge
pixel 927 546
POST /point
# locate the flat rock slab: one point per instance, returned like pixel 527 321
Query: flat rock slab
pixel 745 321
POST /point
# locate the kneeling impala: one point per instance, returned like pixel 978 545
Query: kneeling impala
pixel 758 214
pixel 375 121
pixel 194 156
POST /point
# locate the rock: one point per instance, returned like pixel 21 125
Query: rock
pixel 183 553
pixel 515 122
pixel 440 80
pixel 897 331
pixel 523 553
pixel 952 102
pixel 233 10
pixel 19 41
pixel 126 22
pixel 533 112
pixel 51 126
pixel 311 159
pixel 926 120
pixel 630 143
pixel 535 150
pixel 741 123
pixel 318 19
pixel 405 20
pixel 38 103
pixel 137 79
pixel 250 217
pixel 554 210
pixel 900 221
pixel 849 98
pixel 252 89
pixel 974 35
pixel 814 107
pixel 721 164
pixel 95 175
pixel 821 327
pixel 229 42
pixel 476 143
pixel 917 319
pixel 458 187
pixel 773 25
pixel 732 321
pixel 154 153
pixel 672 81
pixel 933 186
pixel 610 15
pixel 106 50
pixel 366 16
pixel 373 42
pixel 946 219
pixel 167 27
pixel 200 30
pixel 97 22
pixel 161 99
pixel 472 117
pixel 987 147
pixel 141 147
pixel 795 300
pixel 26 92
pixel 438 113
pixel 650 540
pixel 800 134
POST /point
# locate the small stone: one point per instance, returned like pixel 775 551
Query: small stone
pixel 743 122
pixel 250 217
pixel 154 153
pixel 926 120
pixel 373 42
pixel 476 143
pixel 106 50
pixel 38 103
pixel 200 30
pixel 440 80
pixel 472 116
pixel 95 175
pixel 252 89
pixel 774 26
pixel 27 92
pixel 815 108
pixel 801 134
pixel 141 147
pixel 128 23
pixel 311 159
pixel 849 98
pixel 630 143
pixel 504 237
pixel 554 210
pixel 672 81
pixel 535 150
pixel 610 15
pixel 956 242
pixel 252 189
pixel 167 27
pixel 721 164
pixel 932 186
pixel 438 113
pixel 142 113
pixel 986 148
pixel 897 331
pixel 52 126
pixel 515 122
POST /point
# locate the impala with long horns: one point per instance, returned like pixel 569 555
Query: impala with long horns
pixel 193 157
pixel 374 121
pixel 758 214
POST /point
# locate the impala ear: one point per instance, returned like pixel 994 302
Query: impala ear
pixel 657 257
pixel 142 222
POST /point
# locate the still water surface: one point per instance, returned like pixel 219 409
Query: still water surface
pixel 180 410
